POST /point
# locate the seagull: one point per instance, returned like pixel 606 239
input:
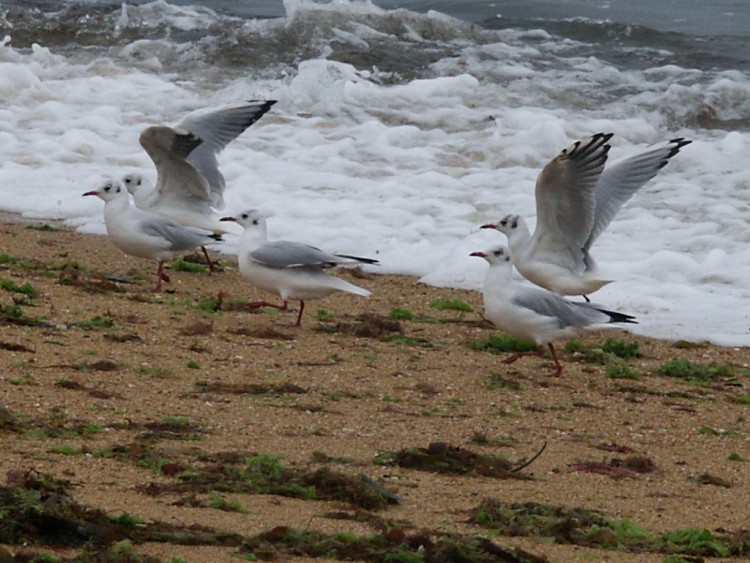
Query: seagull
pixel 291 270
pixel 189 184
pixel 140 233
pixel 534 313
pixel 576 198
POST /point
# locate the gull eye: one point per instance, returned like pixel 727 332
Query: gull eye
pixel 498 253
pixel 244 215
pixel 107 187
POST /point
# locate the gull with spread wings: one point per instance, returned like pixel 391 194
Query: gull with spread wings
pixel 576 198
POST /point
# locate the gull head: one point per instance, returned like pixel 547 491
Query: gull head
pixel 108 191
pixel 507 225
pixel 250 219
pixel 133 181
pixel 495 255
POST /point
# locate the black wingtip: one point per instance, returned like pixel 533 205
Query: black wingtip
pixel 262 109
pixel 185 143
pixel 359 259
pixel 216 237
pixel 677 144
pixel 596 146
pixel 615 317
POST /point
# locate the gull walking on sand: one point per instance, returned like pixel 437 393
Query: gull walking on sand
pixel 189 184
pixel 291 270
pixel 533 313
pixel 140 233
pixel 576 198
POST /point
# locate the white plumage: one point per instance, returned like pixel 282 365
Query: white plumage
pixel 533 313
pixel 576 198
pixel 147 235
pixel 189 185
pixel 291 270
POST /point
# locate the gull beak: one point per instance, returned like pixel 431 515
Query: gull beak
pixel 489 226
pixel 91 193
pixel 228 219
pixel 479 254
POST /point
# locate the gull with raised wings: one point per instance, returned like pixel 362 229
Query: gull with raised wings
pixel 576 198
pixel 189 185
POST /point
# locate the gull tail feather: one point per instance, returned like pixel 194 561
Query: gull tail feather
pixel 343 285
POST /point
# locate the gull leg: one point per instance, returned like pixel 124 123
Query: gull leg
pixel 212 267
pixel 258 304
pixel 517 355
pixel 284 307
pixel 540 353
pixel 299 317
pixel 558 365
pixel 160 275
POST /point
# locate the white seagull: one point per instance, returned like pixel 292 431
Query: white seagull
pixel 291 270
pixel 147 235
pixel 576 198
pixel 189 184
pixel 534 313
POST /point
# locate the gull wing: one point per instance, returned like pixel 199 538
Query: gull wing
pixel 286 254
pixel 176 179
pixel 175 235
pixel 217 127
pixel 565 200
pixel 621 179
pixel 565 313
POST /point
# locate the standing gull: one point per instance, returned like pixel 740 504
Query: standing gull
pixel 140 233
pixel 576 198
pixel 534 313
pixel 291 270
pixel 189 184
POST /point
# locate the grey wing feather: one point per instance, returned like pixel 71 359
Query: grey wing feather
pixel 285 254
pixel 218 127
pixel 178 236
pixel 177 179
pixel 566 313
pixel 621 179
pixel 565 195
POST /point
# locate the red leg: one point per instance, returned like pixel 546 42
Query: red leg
pixel 284 307
pixel 258 304
pixel 517 355
pixel 160 275
pixel 558 365
pixel 212 267
pixel 540 353
pixel 299 317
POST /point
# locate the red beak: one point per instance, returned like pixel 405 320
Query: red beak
pixel 228 219
pixel 488 226
pixel 91 193
pixel 478 253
